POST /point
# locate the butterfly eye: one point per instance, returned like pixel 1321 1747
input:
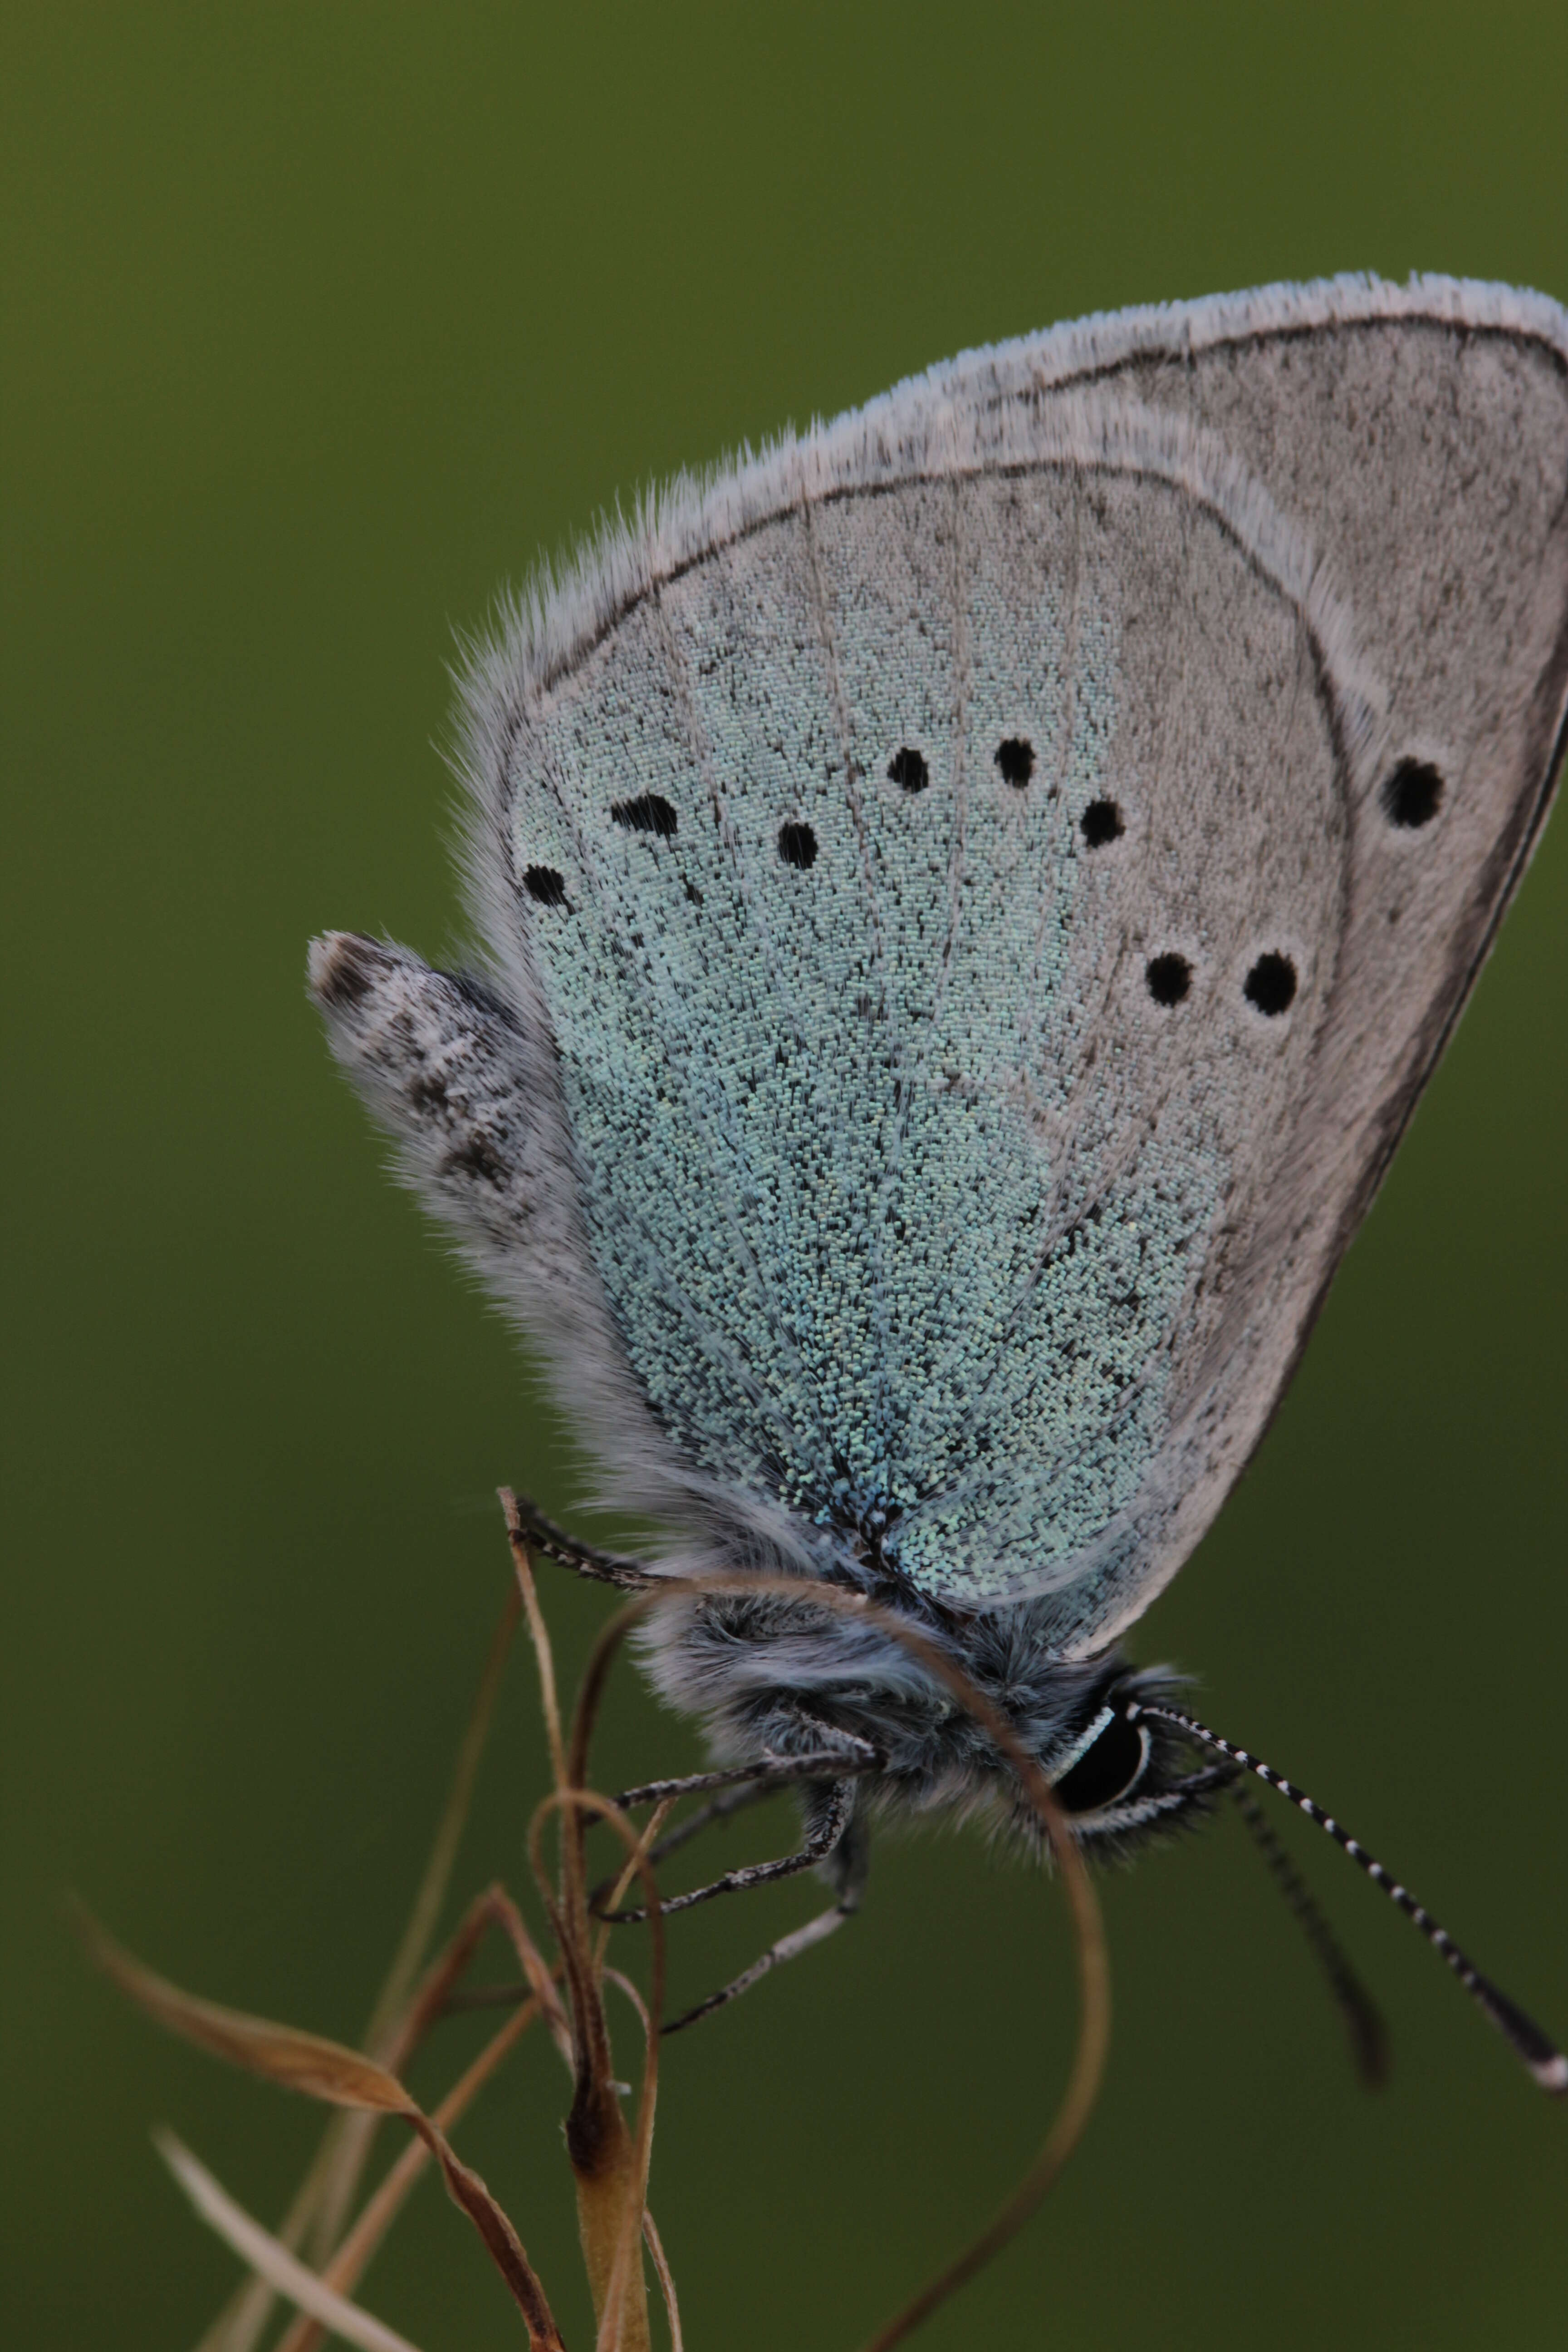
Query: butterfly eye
pixel 1109 1768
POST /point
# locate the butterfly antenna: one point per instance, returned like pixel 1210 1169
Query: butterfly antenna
pixel 1364 2019
pixel 1543 2058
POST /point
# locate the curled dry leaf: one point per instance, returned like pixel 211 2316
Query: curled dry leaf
pixel 1094 1981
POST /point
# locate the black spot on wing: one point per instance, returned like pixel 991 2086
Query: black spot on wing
pixel 1015 758
pixel 648 813
pixel 1270 985
pixel 1169 978
pixel 1412 796
pixel 798 845
pixel 1100 823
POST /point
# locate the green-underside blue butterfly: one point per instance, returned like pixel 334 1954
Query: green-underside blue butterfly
pixel 970 898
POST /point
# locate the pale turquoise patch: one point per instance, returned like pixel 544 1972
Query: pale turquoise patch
pixel 812 1106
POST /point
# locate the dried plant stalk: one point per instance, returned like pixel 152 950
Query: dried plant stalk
pixel 283 2270
pixel 1094 1976
pixel 609 2158
pixel 327 2070
pixel 324 2196
pixel 609 2163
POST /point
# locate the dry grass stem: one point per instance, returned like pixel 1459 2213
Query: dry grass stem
pixel 609 2157
pixel 327 2070
pixel 538 1634
pixel 325 2196
pixel 666 2282
pixel 1094 1977
pixel 609 2163
pixel 383 2207
pixel 283 2270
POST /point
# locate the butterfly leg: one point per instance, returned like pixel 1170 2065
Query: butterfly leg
pixel 830 1806
pixel 527 1523
pixel 850 1860
pixel 847 1756
pixel 732 1799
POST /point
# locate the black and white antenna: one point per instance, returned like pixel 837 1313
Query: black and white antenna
pixel 1363 2018
pixel 1543 2058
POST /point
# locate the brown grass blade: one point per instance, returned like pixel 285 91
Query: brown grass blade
pixel 284 2054
pixel 321 2202
pixel 504 2246
pixel 386 2035
pixel 538 1633
pixel 609 2163
pixel 666 2280
pixel 326 2070
pixel 241 2322
pixel 1094 1980
pixel 386 2017
pixel 540 1975
pixel 382 2207
pixel 272 2261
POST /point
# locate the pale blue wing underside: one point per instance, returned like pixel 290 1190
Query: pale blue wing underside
pixel 875 1204
pixel 900 1183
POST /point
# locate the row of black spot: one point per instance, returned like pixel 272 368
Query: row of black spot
pixel 1014 757
pixel 1269 987
pixel 651 812
pixel 1410 797
pixel 1100 823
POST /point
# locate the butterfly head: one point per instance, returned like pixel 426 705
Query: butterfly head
pixel 1121 1776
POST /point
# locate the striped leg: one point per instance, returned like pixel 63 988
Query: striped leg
pixel 828 1812
pixel 851 1860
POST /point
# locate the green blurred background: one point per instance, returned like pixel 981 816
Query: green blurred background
pixel 321 322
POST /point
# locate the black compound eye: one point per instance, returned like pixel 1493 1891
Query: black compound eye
pixel 907 768
pixel 1015 758
pixel 798 845
pixel 1109 1768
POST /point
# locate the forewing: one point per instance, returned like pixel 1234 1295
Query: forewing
pixel 905 1184
pixel 963 964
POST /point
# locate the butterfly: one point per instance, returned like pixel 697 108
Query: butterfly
pixel 970 898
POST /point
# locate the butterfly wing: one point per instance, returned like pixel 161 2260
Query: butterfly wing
pixel 959 967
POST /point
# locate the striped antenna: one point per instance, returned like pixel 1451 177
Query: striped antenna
pixel 1543 2058
pixel 1364 2019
